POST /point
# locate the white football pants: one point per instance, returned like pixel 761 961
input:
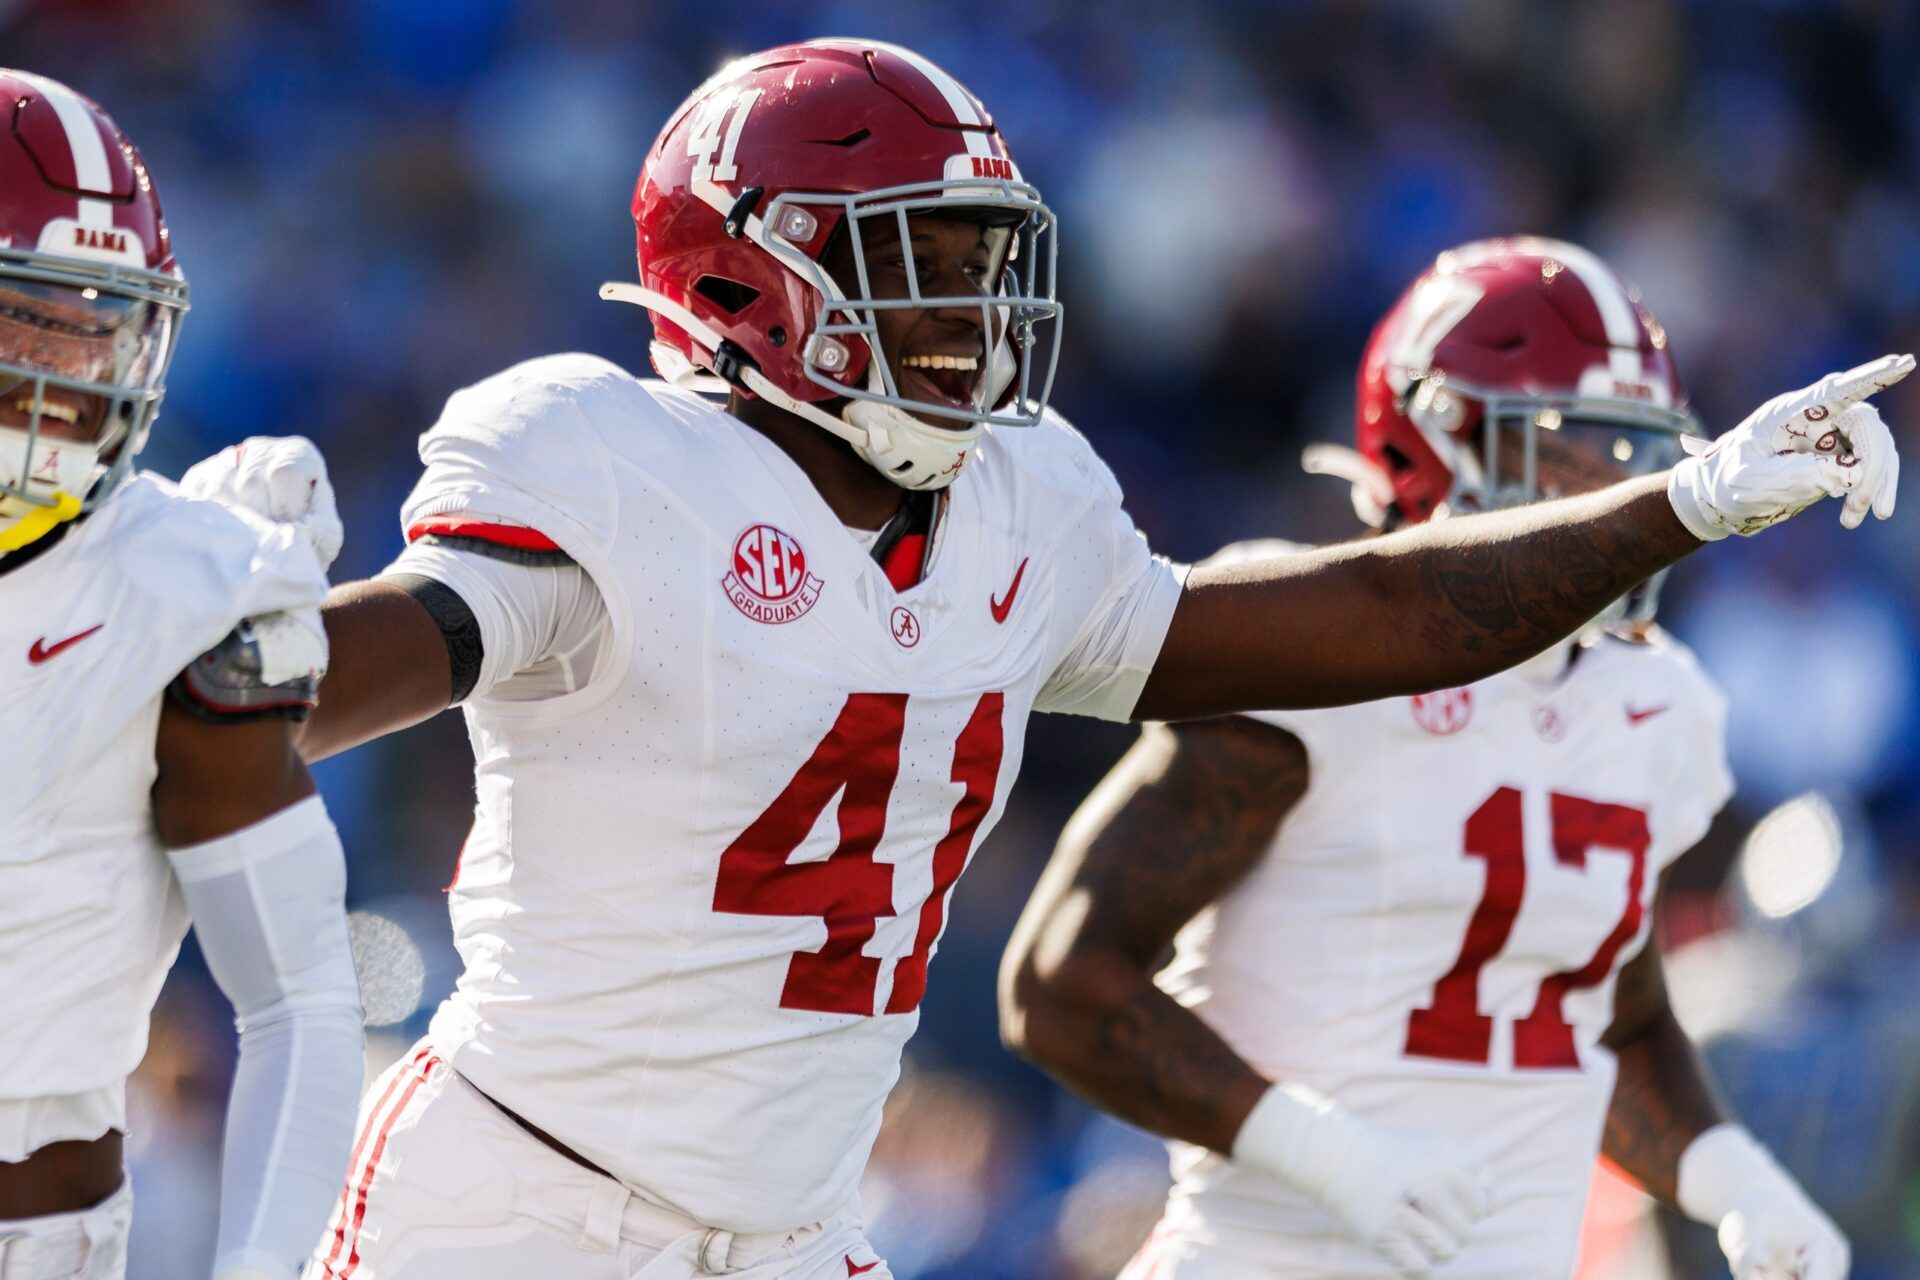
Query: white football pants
pixel 89 1245
pixel 1199 1252
pixel 444 1186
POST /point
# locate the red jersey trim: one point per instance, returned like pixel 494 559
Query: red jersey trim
pixel 903 561
pixel 517 536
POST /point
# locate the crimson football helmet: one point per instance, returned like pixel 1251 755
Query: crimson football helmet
pixel 753 179
pixel 90 305
pixel 1522 334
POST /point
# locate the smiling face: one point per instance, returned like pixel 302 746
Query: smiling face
pixel 65 333
pixel 936 354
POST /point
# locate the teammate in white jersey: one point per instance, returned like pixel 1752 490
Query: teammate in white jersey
pixel 747 681
pixel 154 651
pixel 1427 919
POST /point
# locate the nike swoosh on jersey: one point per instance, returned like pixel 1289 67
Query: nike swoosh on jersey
pixel 40 651
pixel 1001 607
pixel 860 1271
pixel 1635 717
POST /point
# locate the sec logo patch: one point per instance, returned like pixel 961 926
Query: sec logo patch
pixel 768 579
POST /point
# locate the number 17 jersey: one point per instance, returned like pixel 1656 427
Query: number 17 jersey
pixel 703 886
pixel 1434 936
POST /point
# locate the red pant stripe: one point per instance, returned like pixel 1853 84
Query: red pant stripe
pixel 374 1124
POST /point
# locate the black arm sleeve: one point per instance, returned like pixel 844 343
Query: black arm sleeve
pixel 458 627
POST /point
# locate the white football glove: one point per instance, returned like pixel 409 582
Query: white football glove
pixel 1821 441
pixel 1768 1228
pixel 283 478
pixel 1410 1197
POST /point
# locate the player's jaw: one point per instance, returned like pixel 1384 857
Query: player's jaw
pixel 64 414
pixel 936 355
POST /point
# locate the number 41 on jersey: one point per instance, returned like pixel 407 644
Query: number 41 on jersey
pixel 849 891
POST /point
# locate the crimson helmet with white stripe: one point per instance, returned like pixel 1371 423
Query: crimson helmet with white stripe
pixel 759 172
pixel 1522 334
pixel 90 302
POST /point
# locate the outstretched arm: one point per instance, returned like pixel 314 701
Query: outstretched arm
pixel 391 665
pixel 1453 602
pixel 1432 607
pixel 390 662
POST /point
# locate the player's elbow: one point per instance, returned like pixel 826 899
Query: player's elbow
pixel 1053 1010
pixel 336 1016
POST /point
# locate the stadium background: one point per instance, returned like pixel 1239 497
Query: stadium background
pixel 378 201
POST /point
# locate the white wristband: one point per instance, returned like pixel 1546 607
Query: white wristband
pixel 1293 1130
pixel 1719 1168
pixel 1684 484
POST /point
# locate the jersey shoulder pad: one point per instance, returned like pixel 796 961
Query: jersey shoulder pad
pixel 1051 458
pixel 521 459
pixel 267 668
pixel 204 566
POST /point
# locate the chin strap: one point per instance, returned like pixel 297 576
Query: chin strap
pixel 39 522
pixel 870 428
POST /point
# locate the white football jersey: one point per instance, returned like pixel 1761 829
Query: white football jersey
pixel 1434 936
pixel 91 633
pixel 703 887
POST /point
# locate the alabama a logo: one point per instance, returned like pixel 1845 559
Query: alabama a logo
pixel 1443 712
pixel 768 580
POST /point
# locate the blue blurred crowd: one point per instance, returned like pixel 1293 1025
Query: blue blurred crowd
pixel 378 201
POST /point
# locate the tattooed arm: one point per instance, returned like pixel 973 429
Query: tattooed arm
pixel 1432 607
pixel 1177 823
pixel 1661 1100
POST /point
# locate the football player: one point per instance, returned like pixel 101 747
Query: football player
pixel 156 653
pixel 1413 984
pixel 747 681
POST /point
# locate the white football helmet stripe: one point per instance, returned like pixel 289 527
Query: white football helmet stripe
pixel 89 149
pixel 948 88
pixel 1616 309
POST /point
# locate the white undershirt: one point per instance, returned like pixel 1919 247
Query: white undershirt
pixel 542 627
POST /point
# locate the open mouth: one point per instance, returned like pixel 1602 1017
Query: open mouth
pixel 69 415
pixel 943 379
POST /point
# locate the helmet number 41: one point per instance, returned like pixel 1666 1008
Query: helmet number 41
pixel 726 112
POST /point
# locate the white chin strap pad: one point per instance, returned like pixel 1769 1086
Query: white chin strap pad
pixel 895 443
pixel 57 466
pixel 906 450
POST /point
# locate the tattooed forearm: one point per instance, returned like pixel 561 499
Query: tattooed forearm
pixel 1176 824
pixel 1432 607
pixel 1661 1099
pixel 1154 1064
pixel 1485 590
pixel 1661 1102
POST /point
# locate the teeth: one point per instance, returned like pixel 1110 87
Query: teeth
pixel 66 413
pixel 965 363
